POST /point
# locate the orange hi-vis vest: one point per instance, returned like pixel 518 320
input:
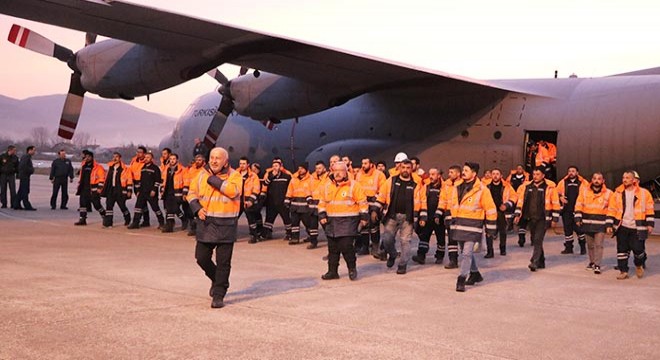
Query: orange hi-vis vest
pixel 96 178
pixel 370 181
pixel 509 198
pixel 386 192
pixel 343 205
pixel 251 187
pixel 468 215
pixel 643 209
pixel 551 202
pixel 299 193
pixel 443 204
pixel 224 202
pixel 180 180
pixel 591 209
pixel 126 177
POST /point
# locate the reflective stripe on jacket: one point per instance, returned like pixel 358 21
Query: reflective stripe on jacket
pixel 469 214
pixel 591 209
pixel 343 205
pixel 643 208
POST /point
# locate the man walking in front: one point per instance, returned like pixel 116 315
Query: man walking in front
pixel 424 232
pixel 504 198
pixel 61 173
pixel 568 189
pixel 90 186
pixel 117 189
pixel 470 208
pixel 537 205
pixel 215 199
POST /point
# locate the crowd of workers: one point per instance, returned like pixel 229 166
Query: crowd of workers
pixel 362 209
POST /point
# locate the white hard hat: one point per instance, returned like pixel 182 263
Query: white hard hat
pixel 400 157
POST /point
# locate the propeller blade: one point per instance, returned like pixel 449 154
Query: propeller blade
pixel 72 107
pixel 218 123
pixel 30 40
pixel 218 76
pixel 90 38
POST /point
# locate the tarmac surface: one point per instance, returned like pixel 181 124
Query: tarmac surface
pixel 88 292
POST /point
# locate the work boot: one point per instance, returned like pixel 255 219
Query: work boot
pixel 489 254
pixel 401 269
pixel 218 302
pixel 168 227
pixel 146 221
pixel 81 222
pixel 184 223
pixel 352 274
pixel 583 247
pixel 420 259
pixel 452 264
pixel 532 267
pixel 312 246
pixel 503 250
pixel 474 278
pixel 460 284
pixel 438 260
pixel 330 275
pixel 568 247
pixel 253 239
pixel 161 222
pixel 439 257
pixel 639 271
pixel 287 237
pixel 622 275
pixel 363 250
pixel 107 221
pixel 390 260
pixel 294 241
pixel 521 240
pixel 375 250
pixel 267 234
pixel 127 219
pixel 136 221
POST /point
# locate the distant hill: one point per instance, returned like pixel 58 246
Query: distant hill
pixel 109 122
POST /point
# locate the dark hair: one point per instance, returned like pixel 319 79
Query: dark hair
pixel 244 158
pixel 167 149
pixel 493 169
pixel 406 162
pixel 456 167
pixel 114 153
pixel 175 155
pixel 29 148
pixel 320 162
pixel 540 168
pixel 366 158
pixel 415 159
pixel 381 162
pixel 574 167
pixel 11 147
pixel 144 149
pixel 472 165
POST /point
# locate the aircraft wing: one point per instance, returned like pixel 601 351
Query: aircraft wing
pixel 275 54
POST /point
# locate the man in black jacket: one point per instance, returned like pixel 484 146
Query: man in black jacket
pixel 150 181
pixel 25 171
pixel 276 182
pixel 8 171
pixel 60 170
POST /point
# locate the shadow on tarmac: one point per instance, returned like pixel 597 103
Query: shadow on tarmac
pixel 270 287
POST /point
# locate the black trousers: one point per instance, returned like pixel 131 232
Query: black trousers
pixel 8 180
pixel 568 221
pixel 271 214
pixel 115 196
pixel 425 233
pixel 253 216
pixel 219 271
pixel 627 240
pixel 537 229
pixel 87 200
pixel 173 206
pixel 63 184
pixel 502 226
pixel 23 193
pixel 344 246
pixel 452 247
pixel 144 198
pixel 369 234
pixel 311 223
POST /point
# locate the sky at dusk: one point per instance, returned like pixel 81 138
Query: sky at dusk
pixel 477 39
